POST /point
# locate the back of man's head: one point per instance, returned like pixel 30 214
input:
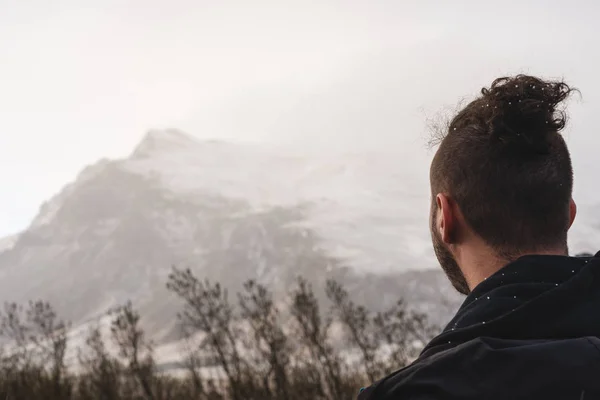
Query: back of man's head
pixel 505 164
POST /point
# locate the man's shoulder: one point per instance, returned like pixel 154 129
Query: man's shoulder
pixel 497 368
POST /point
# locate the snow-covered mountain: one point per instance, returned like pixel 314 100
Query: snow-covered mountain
pixel 230 212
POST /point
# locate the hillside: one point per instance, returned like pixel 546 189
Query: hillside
pixel 230 212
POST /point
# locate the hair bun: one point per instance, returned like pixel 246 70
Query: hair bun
pixel 523 111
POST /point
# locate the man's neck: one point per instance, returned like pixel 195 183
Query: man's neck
pixel 478 267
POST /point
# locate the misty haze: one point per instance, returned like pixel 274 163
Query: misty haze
pixel 277 143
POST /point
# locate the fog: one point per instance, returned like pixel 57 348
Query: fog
pixel 83 80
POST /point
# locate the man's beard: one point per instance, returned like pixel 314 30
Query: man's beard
pixel 447 261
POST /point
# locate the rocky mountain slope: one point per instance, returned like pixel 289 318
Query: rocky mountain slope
pixel 229 212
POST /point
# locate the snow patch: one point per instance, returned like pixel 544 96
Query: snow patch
pixel 368 206
pixel 8 242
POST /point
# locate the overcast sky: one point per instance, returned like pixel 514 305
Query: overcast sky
pixel 84 79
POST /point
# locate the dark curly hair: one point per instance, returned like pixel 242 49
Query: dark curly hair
pixel 505 163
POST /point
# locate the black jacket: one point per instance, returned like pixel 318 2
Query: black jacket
pixel 530 331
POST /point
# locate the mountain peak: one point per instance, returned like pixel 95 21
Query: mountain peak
pixel 160 140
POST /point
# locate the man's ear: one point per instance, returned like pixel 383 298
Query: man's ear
pixel 572 212
pixel 446 223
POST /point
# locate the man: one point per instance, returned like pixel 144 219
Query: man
pixel 501 186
